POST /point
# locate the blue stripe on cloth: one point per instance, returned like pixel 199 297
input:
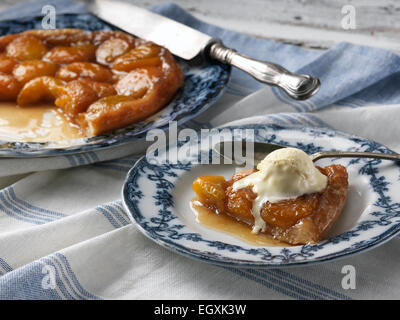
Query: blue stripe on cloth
pixel 25 283
pixel 109 216
pixel 288 284
pixel 289 119
pixel 15 212
pixel 72 276
pixel 94 156
pixel 295 118
pixel 29 206
pixel 4 267
pixel 71 160
pixel 305 119
pixel 266 282
pixel 80 158
pixel 33 281
pixel 19 209
pixel 278 119
pixel 67 279
pixel 122 218
pixel 328 293
pixel 60 285
pixel 315 119
pixel 86 158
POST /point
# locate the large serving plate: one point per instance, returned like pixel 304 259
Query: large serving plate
pixel 157 199
pixel 202 87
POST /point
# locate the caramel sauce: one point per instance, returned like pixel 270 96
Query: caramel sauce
pixel 36 123
pixel 223 223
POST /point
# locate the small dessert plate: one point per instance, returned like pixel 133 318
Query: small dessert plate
pixel 157 198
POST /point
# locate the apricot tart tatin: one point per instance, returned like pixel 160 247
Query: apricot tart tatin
pixel 102 80
pixel 302 219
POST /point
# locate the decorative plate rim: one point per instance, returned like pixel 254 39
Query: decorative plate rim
pixel 370 243
pixel 21 149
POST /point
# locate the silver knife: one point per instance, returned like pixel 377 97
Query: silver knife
pixel 190 44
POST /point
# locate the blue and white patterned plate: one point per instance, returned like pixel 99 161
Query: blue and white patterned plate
pixel 202 87
pixel 157 200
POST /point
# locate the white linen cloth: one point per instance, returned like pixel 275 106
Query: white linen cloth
pixel 72 219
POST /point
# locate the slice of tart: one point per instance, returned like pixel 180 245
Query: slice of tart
pixel 287 197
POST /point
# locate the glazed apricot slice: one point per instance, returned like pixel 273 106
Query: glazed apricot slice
pixel 7 64
pixel 86 70
pixel 101 36
pixel 210 191
pixel 61 37
pixel 135 84
pixel 216 194
pixel 26 48
pixel 31 69
pixel 39 90
pixel 5 40
pixel 110 49
pixel 76 96
pixel 9 87
pixel 64 55
pixel 142 56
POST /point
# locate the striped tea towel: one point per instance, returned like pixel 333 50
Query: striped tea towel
pixel 65 219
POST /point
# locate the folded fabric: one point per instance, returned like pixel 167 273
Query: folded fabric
pixel 71 221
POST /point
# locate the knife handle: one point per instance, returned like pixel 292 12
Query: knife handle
pixel 296 86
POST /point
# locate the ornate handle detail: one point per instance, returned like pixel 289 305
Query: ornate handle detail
pixel 296 86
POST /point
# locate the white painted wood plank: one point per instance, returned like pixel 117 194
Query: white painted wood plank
pixel 311 23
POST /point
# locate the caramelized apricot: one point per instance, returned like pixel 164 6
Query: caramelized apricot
pixel 39 89
pixel 64 55
pixel 9 87
pixel 62 37
pixel 211 191
pixel 240 203
pixel 5 40
pixel 143 56
pixel 76 96
pixel 6 64
pixel 102 89
pixel 31 69
pixel 110 49
pixel 87 70
pixel 26 48
pixel 286 213
pixel 135 84
pixel 101 36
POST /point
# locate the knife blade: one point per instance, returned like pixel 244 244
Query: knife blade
pixel 192 45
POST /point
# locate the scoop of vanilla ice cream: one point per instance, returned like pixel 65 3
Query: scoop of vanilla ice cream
pixel 284 174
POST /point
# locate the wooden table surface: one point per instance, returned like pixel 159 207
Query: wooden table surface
pixel 310 23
